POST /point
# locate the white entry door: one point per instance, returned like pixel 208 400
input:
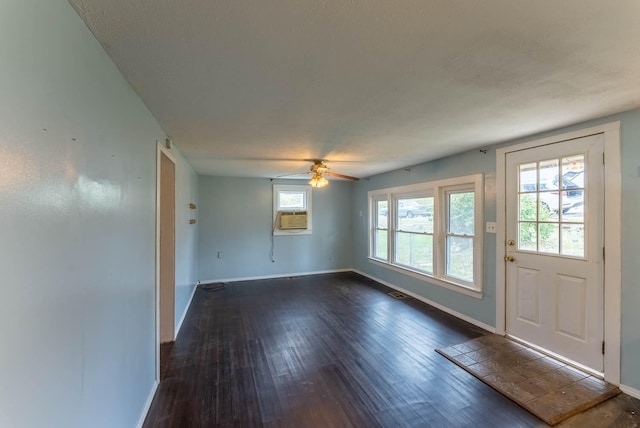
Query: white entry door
pixel 554 252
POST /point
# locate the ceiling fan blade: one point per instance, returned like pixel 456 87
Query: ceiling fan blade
pixel 292 174
pixel 335 174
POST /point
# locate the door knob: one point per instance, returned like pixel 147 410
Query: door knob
pixel 509 258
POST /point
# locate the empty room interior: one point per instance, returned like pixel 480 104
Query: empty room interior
pixel 319 214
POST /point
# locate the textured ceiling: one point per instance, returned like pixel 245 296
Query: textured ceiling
pixel 252 87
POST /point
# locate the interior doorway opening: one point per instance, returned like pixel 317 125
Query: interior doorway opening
pixel 165 260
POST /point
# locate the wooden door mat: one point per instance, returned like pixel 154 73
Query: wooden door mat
pixel 550 389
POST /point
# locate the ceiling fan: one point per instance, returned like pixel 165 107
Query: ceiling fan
pixel 319 170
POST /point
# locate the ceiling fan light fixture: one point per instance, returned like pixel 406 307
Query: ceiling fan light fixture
pixel 318 181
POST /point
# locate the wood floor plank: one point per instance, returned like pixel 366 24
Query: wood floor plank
pixel 321 351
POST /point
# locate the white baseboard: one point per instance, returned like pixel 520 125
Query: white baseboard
pixel 443 308
pixel 184 313
pixel 635 393
pixel 147 404
pixel 280 275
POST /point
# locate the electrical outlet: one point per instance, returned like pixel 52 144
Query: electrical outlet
pixel 220 254
pixel 491 227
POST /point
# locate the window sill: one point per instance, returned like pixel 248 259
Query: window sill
pixel 428 278
pixel 293 232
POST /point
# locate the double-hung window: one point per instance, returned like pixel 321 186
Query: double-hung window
pixel 414 231
pixel 380 237
pixel 431 231
pixel 459 234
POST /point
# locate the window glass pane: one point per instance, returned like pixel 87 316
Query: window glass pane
pixel 415 251
pixel 380 246
pixel 528 174
pixel 528 237
pixel 574 215
pixel 549 172
pixel 415 214
pixel 573 185
pixel 527 209
pixel 573 240
pixel 558 226
pixel 549 238
pixel 573 172
pixel 459 258
pixel 549 205
pixel 461 213
pixel 291 200
pixel 382 214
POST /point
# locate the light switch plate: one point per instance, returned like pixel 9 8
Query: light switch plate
pixel 491 227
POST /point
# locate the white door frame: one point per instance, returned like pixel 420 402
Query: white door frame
pixel 160 150
pixel 612 236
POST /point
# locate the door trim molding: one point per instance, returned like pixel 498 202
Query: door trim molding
pixel 612 236
pixel 160 150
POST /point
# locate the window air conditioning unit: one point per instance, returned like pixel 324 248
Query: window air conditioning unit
pixel 293 220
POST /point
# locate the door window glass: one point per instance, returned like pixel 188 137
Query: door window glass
pixel 551 206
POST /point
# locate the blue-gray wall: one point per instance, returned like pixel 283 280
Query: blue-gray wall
pixel 77 216
pixel 77 248
pixel 187 181
pixel 483 309
pixel 467 163
pixel 235 217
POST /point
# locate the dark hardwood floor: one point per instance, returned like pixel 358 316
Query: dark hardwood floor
pixel 323 351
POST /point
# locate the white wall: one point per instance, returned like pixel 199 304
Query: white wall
pixel 77 227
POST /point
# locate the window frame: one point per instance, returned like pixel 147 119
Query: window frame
pixel 291 188
pixel 439 190
pixel 477 226
pixel 373 209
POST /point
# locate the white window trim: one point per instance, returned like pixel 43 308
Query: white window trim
pixel 435 189
pixel 373 212
pixel 476 187
pixel 275 219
